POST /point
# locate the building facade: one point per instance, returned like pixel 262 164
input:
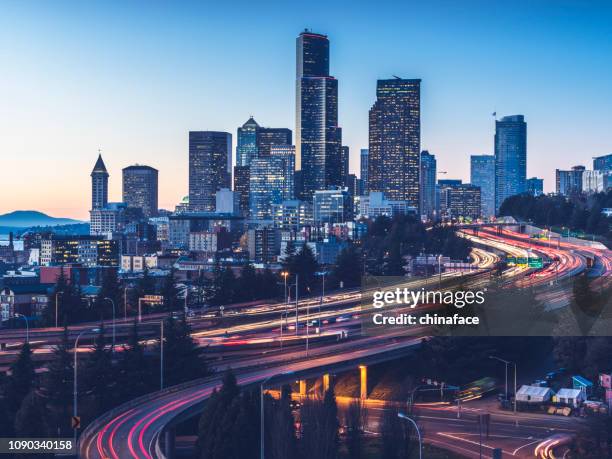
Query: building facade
pixel 318 138
pixel 99 185
pixel 332 206
pixel 210 167
pixel 482 174
pixel 569 183
pixel 460 201
pixel 535 186
pixel 140 189
pixel 363 171
pixel 428 185
pixel 395 140
pixel 510 157
pixel 271 181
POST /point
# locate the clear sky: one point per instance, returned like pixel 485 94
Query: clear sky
pixel 133 77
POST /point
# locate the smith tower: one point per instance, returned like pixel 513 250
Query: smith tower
pixel 318 138
pixel 99 185
pixel 395 140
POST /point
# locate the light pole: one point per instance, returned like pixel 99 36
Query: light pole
pixel 322 274
pixel 296 301
pixel 56 307
pixel 161 356
pixel 125 302
pixel 407 418
pixel 507 362
pixel 27 326
pixel 75 386
pixel 113 303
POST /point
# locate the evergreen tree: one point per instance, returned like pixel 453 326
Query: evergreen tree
pixel 355 427
pixel 171 293
pixel 135 375
pixel 6 419
pixel 109 289
pixel 98 375
pixel 391 431
pixel 22 379
pixel 319 427
pixel 348 267
pixel 182 360
pixel 304 264
pixel 58 384
pixel 31 418
pixel 248 285
pixel 283 444
pixel 69 303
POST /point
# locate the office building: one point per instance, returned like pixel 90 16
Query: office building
pixel 292 214
pixel 603 163
pixel 332 206
pixel 99 185
pixel 242 176
pixel 428 185
pixel 482 174
pixel 264 244
pixel 375 205
pixel 210 167
pixel 140 189
pixel 363 171
pixel 535 186
pixel 344 164
pixel 88 251
pixel 569 183
pixel 318 138
pixel 510 157
pixel 246 145
pixel 271 181
pixel 459 201
pixel 107 220
pixel 395 140
pixel 272 137
pixel 595 181
pixel 227 202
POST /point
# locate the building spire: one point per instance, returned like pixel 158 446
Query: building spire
pixel 99 167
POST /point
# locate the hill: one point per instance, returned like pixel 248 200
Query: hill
pixel 29 218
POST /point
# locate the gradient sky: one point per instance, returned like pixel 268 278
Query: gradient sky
pixel 133 77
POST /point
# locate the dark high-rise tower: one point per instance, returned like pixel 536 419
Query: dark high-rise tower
pixel 395 140
pixel 510 157
pixel 482 174
pixel 428 185
pixel 99 185
pixel 363 169
pixel 140 188
pixel 317 137
pixel 210 166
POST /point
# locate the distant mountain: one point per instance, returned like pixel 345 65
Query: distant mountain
pixel 28 218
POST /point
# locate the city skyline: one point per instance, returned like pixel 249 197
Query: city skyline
pixel 138 116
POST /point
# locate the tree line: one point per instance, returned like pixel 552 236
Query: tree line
pixel 40 403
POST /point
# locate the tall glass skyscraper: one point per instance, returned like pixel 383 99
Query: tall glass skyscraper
pixel 428 185
pixel 363 170
pixel 210 167
pixel 271 181
pixel 510 157
pixel 395 140
pixel 317 136
pixel 140 188
pixel 482 174
pixel 246 146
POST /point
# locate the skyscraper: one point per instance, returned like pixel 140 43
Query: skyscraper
pixel 395 140
pixel 482 174
pixel 317 137
pixel 603 163
pixel 241 186
pixel 210 167
pixel 269 137
pixel 428 185
pixel 345 153
pixel 140 188
pixel 246 147
pixel 363 166
pixel 510 157
pixel 271 181
pixel 99 185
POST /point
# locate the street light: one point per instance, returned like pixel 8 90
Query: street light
pixel 27 326
pixel 507 362
pixel 113 303
pixel 296 285
pixel 75 390
pixel 407 418
pixel 322 274
pixel 56 306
